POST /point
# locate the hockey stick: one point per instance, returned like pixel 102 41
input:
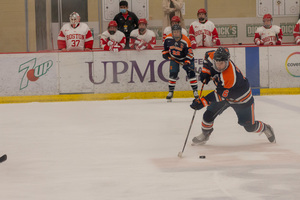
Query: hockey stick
pixel 187 136
pixel 3 158
pixel 181 63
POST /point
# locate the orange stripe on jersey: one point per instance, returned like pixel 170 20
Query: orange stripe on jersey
pixel 252 112
pixel 207 71
pixel 187 40
pixel 228 76
pixel 243 99
pixel 207 126
pixel 169 36
pixel 211 55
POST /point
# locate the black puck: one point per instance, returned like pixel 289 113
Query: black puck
pixel 202 157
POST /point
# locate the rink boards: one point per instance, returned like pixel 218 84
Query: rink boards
pixel 65 76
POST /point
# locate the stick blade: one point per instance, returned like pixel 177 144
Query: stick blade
pixel 3 158
pixel 180 154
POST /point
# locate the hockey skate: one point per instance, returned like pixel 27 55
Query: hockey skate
pixel 269 133
pixel 202 138
pixel 169 97
pixel 196 95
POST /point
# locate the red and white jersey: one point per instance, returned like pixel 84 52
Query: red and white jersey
pixel 268 36
pixel 110 42
pixel 297 31
pixel 203 34
pixel 145 41
pixel 75 39
pixel 168 30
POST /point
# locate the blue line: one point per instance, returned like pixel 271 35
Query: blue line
pixel 252 66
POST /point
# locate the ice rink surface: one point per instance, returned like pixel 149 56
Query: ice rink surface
pixel 112 150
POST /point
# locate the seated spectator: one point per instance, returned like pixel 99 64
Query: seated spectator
pixel 127 21
pixel 75 36
pixel 142 38
pixel 112 39
pixel 268 34
pixel 168 30
pixel 203 32
pixel 297 32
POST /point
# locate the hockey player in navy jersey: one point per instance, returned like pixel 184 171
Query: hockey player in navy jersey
pixel 177 49
pixel 232 90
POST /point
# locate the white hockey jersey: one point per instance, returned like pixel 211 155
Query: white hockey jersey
pixel 75 39
pixel 115 42
pixel 168 30
pixel 296 32
pixel 268 36
pixel 203 34
pixel 145 41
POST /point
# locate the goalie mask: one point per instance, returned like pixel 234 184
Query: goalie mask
pixel 74 19
pixel 221 54
pixel 176 32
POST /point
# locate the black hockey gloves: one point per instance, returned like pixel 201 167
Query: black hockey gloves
pixel 199 103
pixel 204 77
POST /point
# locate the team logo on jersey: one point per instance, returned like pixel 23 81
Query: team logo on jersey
pixel 292 64
pixel 32 72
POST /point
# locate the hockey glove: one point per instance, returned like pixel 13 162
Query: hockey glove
pixel 258 42
pixel 217 41
pixel 166 55
pixel 278 42
pixel 199 103
pixel 204 77
pixel 194 44
pixel 297 40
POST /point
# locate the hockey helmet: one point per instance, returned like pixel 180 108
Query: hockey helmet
pixel 202 10
pixel 112 23
pixel 222 54
pixel 267 16
pixel 74 19
pixel 175 28
pixel 267 23
pixel 143 21
pixel 175 19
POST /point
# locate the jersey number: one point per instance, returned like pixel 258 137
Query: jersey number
pixel 176 53
pixel 75 43
pixel 225 93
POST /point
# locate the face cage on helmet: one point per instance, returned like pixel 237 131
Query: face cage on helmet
pixel 177 38
pixel 268 26
pixel 220 71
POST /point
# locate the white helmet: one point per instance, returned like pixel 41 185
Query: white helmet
pixel 74 19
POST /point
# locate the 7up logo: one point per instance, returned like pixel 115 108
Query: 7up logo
pixel 33 72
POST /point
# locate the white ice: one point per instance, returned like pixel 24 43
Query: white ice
pixel 127 150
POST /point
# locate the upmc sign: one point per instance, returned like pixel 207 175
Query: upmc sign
pixel 125 71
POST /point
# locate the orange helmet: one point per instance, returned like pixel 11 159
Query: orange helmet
pixel 143 21
pixel 112 23
pixel 201 10
pixel 175 19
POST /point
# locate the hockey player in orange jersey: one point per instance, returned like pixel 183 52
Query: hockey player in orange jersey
pixel 232 90
pixel 177 48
